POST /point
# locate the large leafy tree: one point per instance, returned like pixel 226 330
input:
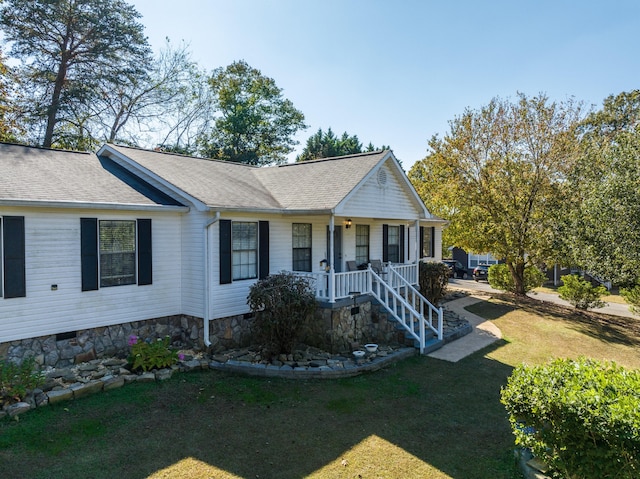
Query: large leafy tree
pixel 254 123
pixel 326 144
pixel 604 225
pixel 498 176
pixel 69 48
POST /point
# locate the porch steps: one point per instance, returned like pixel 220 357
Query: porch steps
pixel 432 343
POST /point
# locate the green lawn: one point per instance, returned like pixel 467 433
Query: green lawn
pixel 422 418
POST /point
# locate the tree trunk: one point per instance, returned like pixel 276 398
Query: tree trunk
pixel 52 111
pixel 517 273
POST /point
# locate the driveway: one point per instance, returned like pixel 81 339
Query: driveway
pixel 614 309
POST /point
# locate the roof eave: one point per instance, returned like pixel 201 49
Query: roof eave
pixel 84 205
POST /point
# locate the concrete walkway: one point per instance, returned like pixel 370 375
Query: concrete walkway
pixel 484 333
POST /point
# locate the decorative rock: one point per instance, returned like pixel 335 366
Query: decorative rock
pixel 191 365
pixel 146 377
pixel 112 382
pixel 18 408
pixel 163 374
pixel 59 395
pixel 86 389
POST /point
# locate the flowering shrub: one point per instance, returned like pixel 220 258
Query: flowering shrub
pixel 149 354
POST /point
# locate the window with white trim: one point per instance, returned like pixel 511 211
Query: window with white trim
pixel 393 242
pixel 301 241
pixel 244 250
pixel 362 244
pixel 117 240
pixel 476 259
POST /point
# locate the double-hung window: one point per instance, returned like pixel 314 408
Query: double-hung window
pixel 427 242
pixel 115 253
pixel 245 250
pixel 301 241
pixel 393 244
pixel 362 244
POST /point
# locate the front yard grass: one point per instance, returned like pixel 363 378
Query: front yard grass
pixel 421 418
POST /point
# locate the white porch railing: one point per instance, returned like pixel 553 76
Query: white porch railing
pixel 394 289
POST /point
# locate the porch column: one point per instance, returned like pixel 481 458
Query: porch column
pixel 417 250
pixel 332 277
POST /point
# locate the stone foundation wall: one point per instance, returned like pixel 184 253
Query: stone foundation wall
pixel 340 330
pixel 335 329
pixel 87 344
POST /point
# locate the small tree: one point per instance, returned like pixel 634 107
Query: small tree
pixel 500 277
pixel 282 303
pixel 434 279
pixel 632 296
pixel 581 293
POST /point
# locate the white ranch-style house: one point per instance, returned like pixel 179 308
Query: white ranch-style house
pixel 94 246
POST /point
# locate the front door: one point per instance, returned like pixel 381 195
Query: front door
pixel 337 248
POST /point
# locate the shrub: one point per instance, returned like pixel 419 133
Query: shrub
pixel 16 380
pixel 581 417
pixel 433 281
pixel 149 354
pixel 500 277
pixel 282 303
pixel 581 293
pixel 632 296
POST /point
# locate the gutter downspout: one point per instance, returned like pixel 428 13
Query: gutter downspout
pixel 205 316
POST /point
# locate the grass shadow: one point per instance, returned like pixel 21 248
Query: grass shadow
pixel 604 327
pixel 446 416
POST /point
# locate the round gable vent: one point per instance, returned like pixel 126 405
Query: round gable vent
pixel 382 177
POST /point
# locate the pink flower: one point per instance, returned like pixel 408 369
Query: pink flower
pixel 133 339
pixel 181 356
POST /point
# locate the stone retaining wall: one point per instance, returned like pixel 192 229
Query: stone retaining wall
pixel 334 329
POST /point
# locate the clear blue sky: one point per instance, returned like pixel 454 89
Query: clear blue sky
pixel 396 72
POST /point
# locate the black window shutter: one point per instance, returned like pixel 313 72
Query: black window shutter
pixel 263 249
pixel 145 263
pixel 401 257
pixel 14 254
pixel 421 252
pixel 432 250
pixel 89 253
pixel 385 243
pixel 225 251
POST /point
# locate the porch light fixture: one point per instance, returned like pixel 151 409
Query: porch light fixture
pixel 347 224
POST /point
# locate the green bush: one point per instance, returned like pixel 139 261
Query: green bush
pixel 282 303
pixel 581 417
pixel 632 296
pixel 581 293
pixel 500 277
pixel 433 281
pixel 149 354
pixel 16 380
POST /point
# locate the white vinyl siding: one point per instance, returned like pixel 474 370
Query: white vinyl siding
pixel 55 302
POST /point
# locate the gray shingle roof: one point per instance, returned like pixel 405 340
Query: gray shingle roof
pixel 37 174
pixel 311 185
